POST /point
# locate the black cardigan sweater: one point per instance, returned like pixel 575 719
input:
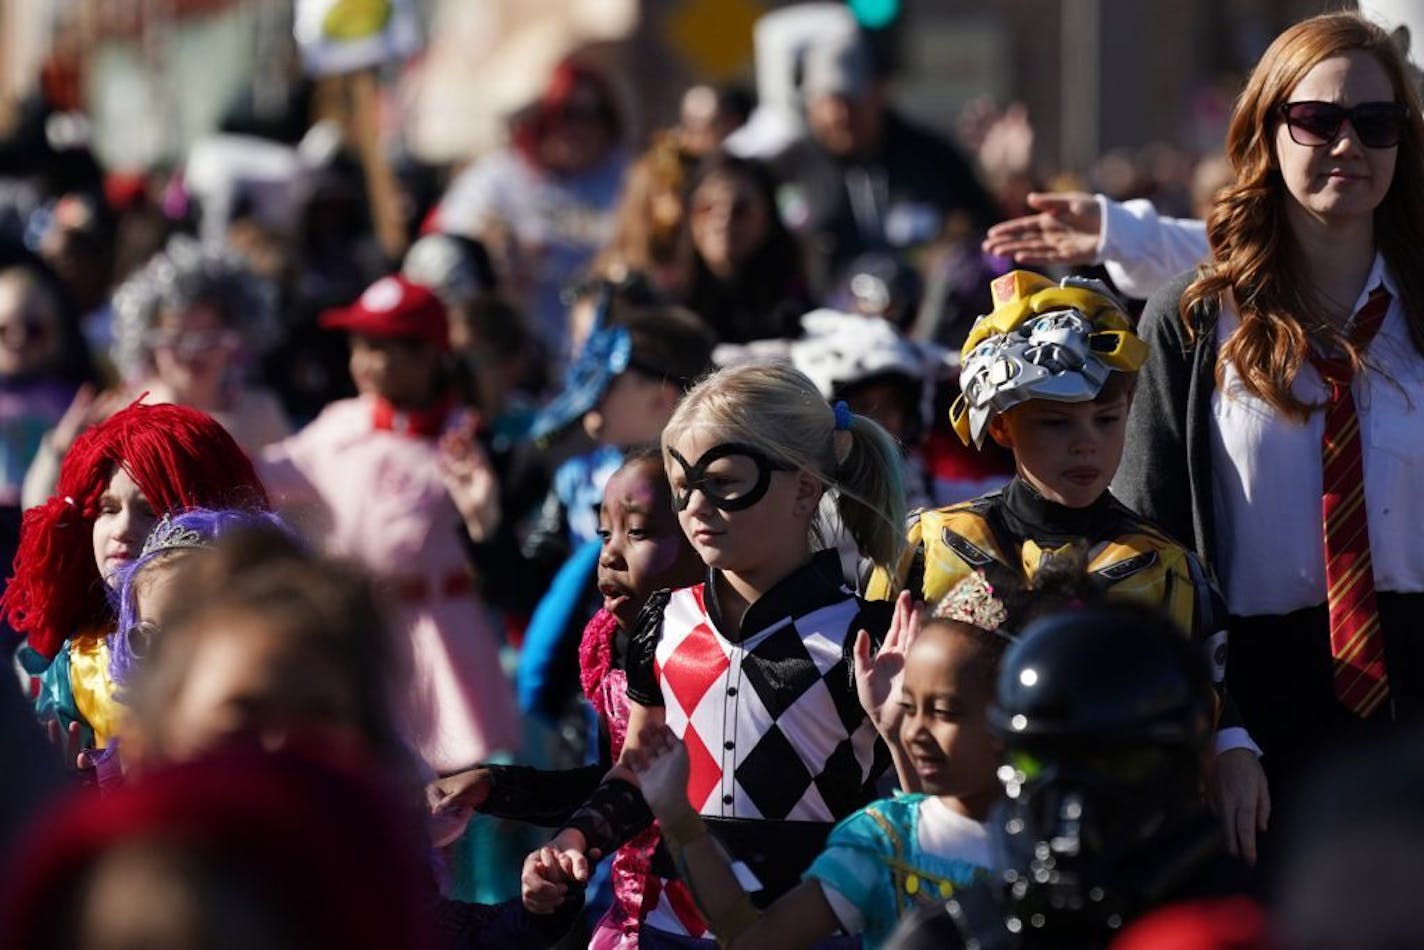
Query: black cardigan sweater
pixel 1165 474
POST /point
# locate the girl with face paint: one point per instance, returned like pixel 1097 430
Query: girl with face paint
pixel 752 667
pixel 643 550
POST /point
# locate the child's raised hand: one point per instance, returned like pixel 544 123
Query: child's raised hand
pixel 88 408
pixel 661 764
pixel 470 480
pixel 878 678
pixel 467 789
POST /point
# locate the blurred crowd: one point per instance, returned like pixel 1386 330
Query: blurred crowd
pixel 335 550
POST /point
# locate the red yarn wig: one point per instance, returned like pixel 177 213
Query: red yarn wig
pixel 180 457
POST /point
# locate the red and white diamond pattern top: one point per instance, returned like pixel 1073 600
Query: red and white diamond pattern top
pixel 771 722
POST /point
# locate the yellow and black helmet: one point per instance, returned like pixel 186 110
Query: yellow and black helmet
pixel 1041 341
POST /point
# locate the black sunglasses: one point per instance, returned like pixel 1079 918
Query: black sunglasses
pixel 1376 124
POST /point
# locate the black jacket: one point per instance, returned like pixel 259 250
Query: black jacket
pixel 1165 474
pixel 913 167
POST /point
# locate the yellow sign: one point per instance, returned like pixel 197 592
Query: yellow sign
pixel 714 36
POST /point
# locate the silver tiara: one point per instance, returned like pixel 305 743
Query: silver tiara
pixel 168 535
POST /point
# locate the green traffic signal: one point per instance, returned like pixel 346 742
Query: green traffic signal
pixel 875 14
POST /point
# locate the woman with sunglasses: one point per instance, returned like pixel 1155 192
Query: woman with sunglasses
pixel 1278 423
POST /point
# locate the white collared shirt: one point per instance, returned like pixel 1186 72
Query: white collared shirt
pixel 1267 474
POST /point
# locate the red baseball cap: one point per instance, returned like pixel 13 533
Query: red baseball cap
pixel 393 307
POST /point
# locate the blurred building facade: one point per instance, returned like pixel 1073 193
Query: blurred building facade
pixel 1095 74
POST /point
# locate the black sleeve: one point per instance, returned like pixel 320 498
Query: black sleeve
pixel 643 687
pixel 510 580
pixel 507 924
pixel 540 796
pixel 548 539
pixel 1152 479
pixel 1209 629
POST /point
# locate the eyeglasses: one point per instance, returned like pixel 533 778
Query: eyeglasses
pixel 1376 124
pixel 140 637
pixel 190 343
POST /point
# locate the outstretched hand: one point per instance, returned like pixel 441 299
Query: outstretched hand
pixel 1066 230
pixel 661 763
pixel 467 790
pixel 878 679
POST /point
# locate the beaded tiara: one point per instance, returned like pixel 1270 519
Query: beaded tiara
pixel 972 601
pixel 168 535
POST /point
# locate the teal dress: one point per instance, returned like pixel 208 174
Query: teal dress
pixel 874 861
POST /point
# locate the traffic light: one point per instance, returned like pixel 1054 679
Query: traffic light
pixel 875 14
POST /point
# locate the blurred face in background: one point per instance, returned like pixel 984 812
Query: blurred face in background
pixel 400 370
pixel 702 122
pixel 29 327
pixel 249 676
pixel 192 350
pixel 579 135
pixel 847 125
pixel 730 220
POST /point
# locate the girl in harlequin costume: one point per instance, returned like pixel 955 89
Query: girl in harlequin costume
pixel 895 853
pixel 367 479
pixel 643 550
pixel 752 667
pixel 116 481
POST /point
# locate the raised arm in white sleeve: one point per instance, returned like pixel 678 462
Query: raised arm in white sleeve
pixel 1143 250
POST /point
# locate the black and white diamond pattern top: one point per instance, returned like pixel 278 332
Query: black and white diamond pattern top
pixel 771 720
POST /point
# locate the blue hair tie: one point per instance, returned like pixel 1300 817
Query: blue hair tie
pixel 843 415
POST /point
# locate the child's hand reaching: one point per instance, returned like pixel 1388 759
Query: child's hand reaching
pixel 877 679
pixel 471 482
pixel 662 766
pixel 467 789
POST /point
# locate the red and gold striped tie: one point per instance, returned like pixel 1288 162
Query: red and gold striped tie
pixel 1355 639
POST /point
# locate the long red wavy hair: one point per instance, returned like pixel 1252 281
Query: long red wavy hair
pixel 1253 255
pixel 181 458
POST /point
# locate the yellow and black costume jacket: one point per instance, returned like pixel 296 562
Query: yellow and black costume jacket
pixel 1010 534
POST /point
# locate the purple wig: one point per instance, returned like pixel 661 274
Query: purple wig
pixel 196 529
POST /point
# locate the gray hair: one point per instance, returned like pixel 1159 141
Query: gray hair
pixel 187 272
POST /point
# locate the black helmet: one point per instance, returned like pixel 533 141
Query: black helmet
pixel 1105 713
pixel 1103 676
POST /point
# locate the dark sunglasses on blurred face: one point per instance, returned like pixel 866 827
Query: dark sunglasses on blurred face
pixel 1376 124
pixel 18 333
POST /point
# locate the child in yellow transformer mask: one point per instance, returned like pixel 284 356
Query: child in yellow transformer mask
pixel 1049 375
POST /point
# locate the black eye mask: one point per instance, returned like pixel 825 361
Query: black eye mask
pixel 696 475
